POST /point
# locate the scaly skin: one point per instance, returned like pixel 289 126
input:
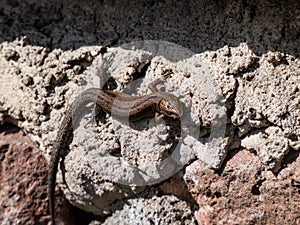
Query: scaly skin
pixel 136 107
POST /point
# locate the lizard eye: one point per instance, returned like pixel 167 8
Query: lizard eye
pixel 168 109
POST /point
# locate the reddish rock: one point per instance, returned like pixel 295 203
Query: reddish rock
pixel 176 186
pixel 243 192
pixel 23 175
pixel 23 184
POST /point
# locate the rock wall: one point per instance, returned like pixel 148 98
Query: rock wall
pixel 248 173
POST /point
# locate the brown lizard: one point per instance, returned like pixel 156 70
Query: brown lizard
pixel 124 107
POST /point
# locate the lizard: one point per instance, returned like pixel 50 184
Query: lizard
pixel 158 104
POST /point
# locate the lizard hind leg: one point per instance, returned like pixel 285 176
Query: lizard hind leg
pixel 153 85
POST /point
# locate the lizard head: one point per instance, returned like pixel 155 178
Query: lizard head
pixel 170 106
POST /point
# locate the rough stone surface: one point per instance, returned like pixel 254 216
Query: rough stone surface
pixel 268 100
pixel 23 174
pixel 244 192
pixel 23 190
pixel 144 145
pixel 149 211
pixel 198 25
pixel 270 145
pixel 240 90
